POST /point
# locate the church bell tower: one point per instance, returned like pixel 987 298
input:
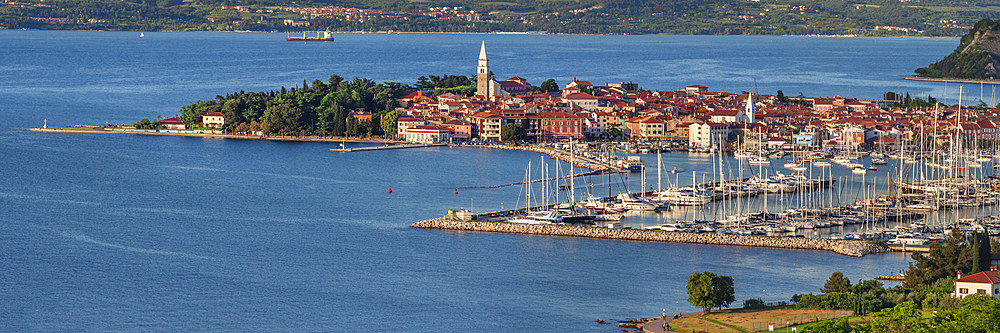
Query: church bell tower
pixel 483 73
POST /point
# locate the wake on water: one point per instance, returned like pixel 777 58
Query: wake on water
pixel 88 239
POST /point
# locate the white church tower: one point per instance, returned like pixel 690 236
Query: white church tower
pixel 748 111
pixel 483 73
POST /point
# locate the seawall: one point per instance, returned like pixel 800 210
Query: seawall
pixel 846 247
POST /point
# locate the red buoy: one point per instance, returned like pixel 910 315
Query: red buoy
pixel 389 190
pixel 456 191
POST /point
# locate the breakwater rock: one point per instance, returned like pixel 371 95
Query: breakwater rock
pixel 846 247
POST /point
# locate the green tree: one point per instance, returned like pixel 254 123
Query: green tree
pixel 837 283
pixel 942 261
pixel 981 252
pixel 389 123
pixel 707 290
pixel 512 132
pixel 549 85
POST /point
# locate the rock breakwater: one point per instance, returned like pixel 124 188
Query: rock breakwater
pixel 846 247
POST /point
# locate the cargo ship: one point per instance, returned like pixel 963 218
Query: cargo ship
pixel 321 36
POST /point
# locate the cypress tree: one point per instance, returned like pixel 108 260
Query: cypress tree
pixel 985 255
pixel 976 253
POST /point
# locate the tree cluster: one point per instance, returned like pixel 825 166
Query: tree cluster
pixel 320 108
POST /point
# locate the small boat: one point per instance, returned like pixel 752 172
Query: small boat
pixel 142 35
pixel 631 164
pixel 879 161
pixel 872 168
pixel 858 170
pixel 822 164
pixel 321 36
pixel 759 161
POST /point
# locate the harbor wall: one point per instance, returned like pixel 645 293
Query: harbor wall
pixel 852 248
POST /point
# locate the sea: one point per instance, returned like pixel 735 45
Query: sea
pixel 164 233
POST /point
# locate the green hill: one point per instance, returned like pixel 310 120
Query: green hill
pixel 976 56
pixel 693 17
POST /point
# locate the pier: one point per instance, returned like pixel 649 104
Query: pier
pixel 846 247
pixel 348 150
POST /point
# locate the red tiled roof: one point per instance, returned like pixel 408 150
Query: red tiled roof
pixel 580 96
pixel 981 277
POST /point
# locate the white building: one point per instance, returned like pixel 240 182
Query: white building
pixel 428 134
pixel 707 134
pixel 980 283
pixel 596 123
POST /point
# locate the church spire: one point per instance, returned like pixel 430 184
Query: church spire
pixel 748 111
pixel 483 73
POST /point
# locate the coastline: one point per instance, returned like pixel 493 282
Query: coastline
pixel 212 134
pixel 845 247
pixel 539 33
pixel 953 80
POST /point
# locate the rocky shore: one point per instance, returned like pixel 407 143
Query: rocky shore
pixel 846 247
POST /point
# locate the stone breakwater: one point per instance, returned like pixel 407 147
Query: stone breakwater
pixel 846 247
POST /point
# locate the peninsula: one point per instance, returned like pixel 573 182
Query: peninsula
pixel 976 59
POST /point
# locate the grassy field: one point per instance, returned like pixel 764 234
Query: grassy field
pixel 740 320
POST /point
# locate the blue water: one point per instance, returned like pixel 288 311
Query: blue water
pixel 119 232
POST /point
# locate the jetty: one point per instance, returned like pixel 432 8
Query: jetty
pixel 386 147
pixel 845 247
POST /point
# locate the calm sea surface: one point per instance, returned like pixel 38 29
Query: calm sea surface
pixel 117 232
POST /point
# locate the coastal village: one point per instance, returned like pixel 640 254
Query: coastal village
pixel 693 115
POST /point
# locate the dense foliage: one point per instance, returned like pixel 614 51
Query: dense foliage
pixel 707 290
pixel 322 108
pixel 976 56
pixel 975 313
pixel 928 17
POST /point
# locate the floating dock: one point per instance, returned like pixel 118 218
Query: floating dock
pixel 348 150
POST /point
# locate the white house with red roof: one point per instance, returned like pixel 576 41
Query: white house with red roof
pixel 584 84
pixel 582 101
pixel 405 122
pixel 173 123
pixel 987 282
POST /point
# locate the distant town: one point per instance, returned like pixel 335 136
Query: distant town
pixel 694 117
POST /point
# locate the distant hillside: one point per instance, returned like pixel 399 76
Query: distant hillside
pixel 690 17
pixel 976 56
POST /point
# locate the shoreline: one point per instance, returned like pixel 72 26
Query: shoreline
pixel 843 247
pixel 212 134
pixel 537 33
pixel 952 80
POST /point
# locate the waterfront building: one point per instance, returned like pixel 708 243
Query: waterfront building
pixel 487 125
pixel 428 134
pixel 707 134
pixel 173 123
pixel 404 123
pixel 460 129
pixel 214 120
pixel 987 283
